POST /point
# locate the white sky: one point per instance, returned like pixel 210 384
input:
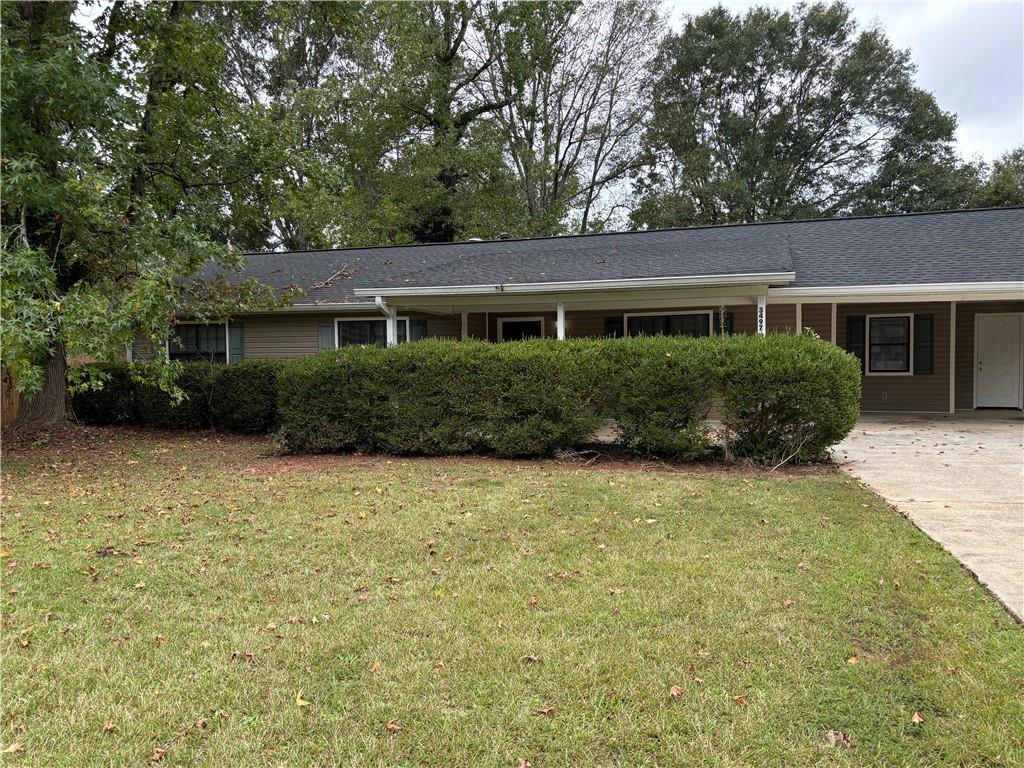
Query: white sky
pixel 970 54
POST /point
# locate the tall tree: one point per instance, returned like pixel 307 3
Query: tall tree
pixel 783 114
pixel 572 78
pixel 1004 185
pixel 114 146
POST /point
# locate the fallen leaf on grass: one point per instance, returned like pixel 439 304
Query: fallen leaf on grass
pixel 544 711
pixel 375 666
pixel 393 726
pixel 741 699
pixel 160 640
pixel 299 701
pixel 787 603
pixel 917 718
pixel 853 660
pixel 837 738
pixel 675 691
pixel 109 727
pixel 158 755
pixel 532 659
pixel 13 748
pixel 533 601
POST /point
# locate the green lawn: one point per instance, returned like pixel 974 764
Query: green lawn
pixel 198 600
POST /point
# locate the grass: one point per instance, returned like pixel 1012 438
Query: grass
pixel 195 600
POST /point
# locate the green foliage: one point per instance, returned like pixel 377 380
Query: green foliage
pixel 1005 183
pixel 659 391
pixel 782 397
pixel 155 407
pixel 780 114
pixel 438 397
pixel 244 396
pixel 107 396
pixel 787 398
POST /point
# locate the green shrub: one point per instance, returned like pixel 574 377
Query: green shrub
pixel 106 396
pixel 244 396
pixel 437 397
pixel 787 398
pixel 156 408
pixel 659 390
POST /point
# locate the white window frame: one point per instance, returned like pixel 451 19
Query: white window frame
pixel 867 344
pixel 502 320
pixel 227 339
pixel 363 318
pixel 709 312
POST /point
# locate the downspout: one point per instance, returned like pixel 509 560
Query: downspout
pixel 391 320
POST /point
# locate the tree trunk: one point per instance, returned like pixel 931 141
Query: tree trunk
pixel 52 404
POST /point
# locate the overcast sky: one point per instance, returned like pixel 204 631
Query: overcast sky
pixel 969 54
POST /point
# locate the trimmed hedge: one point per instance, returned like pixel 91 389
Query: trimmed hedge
pixel 779 398
pixel 438 397
pixel 241 397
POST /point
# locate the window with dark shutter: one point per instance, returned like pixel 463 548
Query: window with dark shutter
pixel 889 341
pixel 855 337
pixel 924 345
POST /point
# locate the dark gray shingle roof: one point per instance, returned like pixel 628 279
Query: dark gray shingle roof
pixel 948 247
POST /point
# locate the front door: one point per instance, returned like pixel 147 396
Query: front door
pixel 998 372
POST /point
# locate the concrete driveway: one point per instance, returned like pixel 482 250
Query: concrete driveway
pixel 960 479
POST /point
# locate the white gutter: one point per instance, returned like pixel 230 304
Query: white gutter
pixel 904 289
pixel 582 285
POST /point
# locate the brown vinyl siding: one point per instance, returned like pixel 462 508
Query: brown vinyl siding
pixel 781 318
pixel 817 317
pixel 964 366
pixel 442 326
pixel 882 392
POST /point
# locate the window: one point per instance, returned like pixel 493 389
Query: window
pixel 373 331
pixel 676 324
pixel 889 344
pixel 520 328
pixel 198 341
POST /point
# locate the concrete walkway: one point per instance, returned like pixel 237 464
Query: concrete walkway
pixel 960 479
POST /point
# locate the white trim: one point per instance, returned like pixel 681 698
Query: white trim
pixel 910 351
pixel 501 322
pixel 709 312
pixel 560 321
pixel 1020 385
pixel 583 285
pixel 400 319
pixel 952 356
pixel 937 289
pixel 227 338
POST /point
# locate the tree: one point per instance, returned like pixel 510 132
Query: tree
pixel 115 146
pixel 786 114
pixel 572 78
pixel 1005 183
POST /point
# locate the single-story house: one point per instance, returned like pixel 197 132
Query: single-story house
pixel 932 303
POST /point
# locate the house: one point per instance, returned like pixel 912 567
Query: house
pixel 932 303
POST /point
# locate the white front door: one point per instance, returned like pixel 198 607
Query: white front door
pixel 998 371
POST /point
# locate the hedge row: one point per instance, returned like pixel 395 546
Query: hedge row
pixel 241 397
pixel 776 398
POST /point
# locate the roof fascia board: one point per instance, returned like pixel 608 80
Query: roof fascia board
pixel 680 281
pixel 1013 290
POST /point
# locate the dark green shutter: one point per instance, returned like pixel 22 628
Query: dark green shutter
pixel 717 318
pixel 924 344
pixel 613 327
pixel 417 330
pixel 326 336
pixel 236 343
pixel 855 326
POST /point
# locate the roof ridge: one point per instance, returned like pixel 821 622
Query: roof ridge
pixel 730 225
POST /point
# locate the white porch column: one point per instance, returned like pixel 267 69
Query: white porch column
pixel 952 356
pixel 762 319
pixel 465 325
pixel 390 321
pixel 560 321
